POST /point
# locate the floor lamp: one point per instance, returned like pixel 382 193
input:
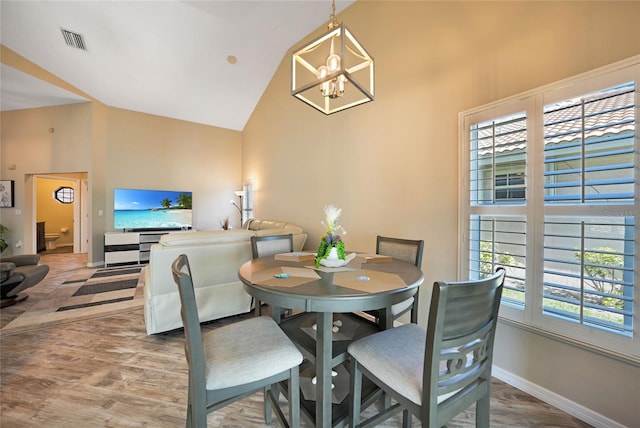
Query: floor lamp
pixel 239 194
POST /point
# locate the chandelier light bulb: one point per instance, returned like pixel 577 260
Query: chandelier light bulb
pixel 333 61
pixel 322 72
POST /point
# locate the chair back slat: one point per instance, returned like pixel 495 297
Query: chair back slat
pixel 459 350
pixel 469 308
pixel 408 250
pixel 462 364
pixel 269 245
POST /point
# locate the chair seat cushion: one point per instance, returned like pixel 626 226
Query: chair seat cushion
pixel 246 351
pixel 396 357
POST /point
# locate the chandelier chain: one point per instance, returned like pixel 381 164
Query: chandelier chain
pixel 333 22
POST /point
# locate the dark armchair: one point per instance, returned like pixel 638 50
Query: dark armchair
pixel 17 274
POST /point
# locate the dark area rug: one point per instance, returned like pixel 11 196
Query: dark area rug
pixel 116 271
pixel 104 273
pixel 105 280
pixel 90 294
pixel 88 305
pixel 105 287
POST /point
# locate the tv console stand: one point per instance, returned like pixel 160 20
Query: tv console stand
pixel 126 248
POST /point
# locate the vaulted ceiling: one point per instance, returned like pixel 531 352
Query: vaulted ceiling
pixel 167 58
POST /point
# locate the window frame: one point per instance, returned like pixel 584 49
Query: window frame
pixel 534 209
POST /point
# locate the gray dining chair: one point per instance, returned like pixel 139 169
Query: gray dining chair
pixel 235 361
pixel 408 250
pixel 437 372
pixel 262 246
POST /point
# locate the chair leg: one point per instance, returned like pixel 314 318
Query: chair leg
pixel 189 423
pixel 267 405
pixel 356 394
pixel 414 308
pixel 294 398
pixel 385 401
pixel 482 411
pixel 406 419
pixel 191 416
pixel 197 416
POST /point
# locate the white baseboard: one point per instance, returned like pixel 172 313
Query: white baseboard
pixel 574 409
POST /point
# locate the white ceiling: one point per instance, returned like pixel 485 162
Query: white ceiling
pixel 166 58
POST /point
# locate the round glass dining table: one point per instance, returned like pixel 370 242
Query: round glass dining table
pixel 291 281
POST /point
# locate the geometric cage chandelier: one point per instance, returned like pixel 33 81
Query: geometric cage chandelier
pixel 333 72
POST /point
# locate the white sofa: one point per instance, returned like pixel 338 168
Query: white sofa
pixel 214 257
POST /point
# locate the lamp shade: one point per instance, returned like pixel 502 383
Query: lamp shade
pixel 333 72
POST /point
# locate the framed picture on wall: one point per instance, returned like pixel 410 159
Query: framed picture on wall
pixel 6 193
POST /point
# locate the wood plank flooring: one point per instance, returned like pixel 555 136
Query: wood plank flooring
pixel 106 372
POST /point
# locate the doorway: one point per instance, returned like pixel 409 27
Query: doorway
pixel 60 208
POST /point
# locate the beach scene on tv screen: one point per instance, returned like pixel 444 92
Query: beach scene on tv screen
pixel 151 209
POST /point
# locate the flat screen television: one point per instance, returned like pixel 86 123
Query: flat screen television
pixel 141 210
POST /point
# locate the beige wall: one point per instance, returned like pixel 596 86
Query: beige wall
pixel 152 152
pixel 392 165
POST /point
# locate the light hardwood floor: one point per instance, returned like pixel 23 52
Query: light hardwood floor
pixel 106 372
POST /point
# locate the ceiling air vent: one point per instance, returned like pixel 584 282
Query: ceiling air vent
pixel 74 40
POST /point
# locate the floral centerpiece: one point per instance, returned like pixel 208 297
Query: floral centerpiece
pixel 331 245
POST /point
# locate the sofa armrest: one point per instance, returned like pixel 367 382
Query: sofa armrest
pixel 22 260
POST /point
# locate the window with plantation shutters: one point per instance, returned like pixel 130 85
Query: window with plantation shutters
pixel 499 241
pixel 589 163
pixel 549 182
pixel 589 148
pixel 588 271
pixel 497 167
